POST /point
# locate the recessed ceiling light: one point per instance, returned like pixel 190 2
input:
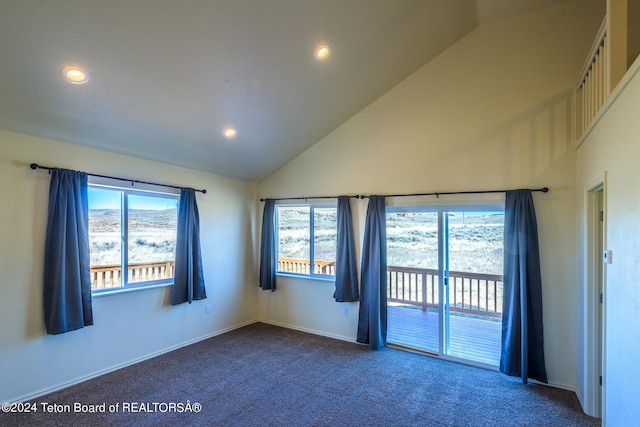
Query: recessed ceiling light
pixel 75 75
pixel 322 52
pixel 230 132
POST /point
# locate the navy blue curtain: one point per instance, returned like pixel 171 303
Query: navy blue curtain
pixel 67 278
pixel 188 283
pixel 268 249
pixel 522 335
pixel 346 268
pixel 372 322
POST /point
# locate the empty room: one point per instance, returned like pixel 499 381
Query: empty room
pixel 319 212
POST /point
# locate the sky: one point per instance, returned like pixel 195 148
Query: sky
pixel 110 199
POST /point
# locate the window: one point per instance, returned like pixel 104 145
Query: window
pixel 131 231
pixel 307 237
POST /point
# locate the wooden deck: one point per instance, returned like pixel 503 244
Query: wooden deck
pixel 474 339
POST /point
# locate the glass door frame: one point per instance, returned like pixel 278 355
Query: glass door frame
pixel 443 284
pixel 444 343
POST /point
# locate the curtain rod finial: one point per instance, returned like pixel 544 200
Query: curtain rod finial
pixel 545 190
pixel 34 166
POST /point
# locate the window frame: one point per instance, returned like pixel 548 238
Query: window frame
pixel 144 191
pixel 312 206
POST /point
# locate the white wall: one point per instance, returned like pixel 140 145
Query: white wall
pixel 129 326
pixel 492 112
pixel 613 148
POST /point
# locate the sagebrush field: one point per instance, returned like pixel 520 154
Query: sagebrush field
pixel 475 240
pixel 152 235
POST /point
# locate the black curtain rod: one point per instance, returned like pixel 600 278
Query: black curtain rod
pixel 357 196
pixel 35 166
pixel 438 194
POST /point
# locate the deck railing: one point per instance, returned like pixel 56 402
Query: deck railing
pixel 472 293
pixel 468 292
pixel 110 276
pixel 297 265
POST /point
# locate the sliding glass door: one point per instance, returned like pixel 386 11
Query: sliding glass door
pixel 474 242
pixel 413 280
pixel 445 282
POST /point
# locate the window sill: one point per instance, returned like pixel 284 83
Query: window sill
pixel 307 276
pixel 100 293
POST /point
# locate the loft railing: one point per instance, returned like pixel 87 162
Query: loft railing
pixel 593 86
pixel 614 50
pixel 472 293
pixel 110 276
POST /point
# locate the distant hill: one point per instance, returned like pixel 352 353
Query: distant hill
pixel 152 235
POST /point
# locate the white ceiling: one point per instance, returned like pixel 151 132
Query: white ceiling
pixel 167 76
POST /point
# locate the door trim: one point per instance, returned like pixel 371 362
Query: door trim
pixel 595 276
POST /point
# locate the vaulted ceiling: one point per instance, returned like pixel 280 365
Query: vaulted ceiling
pixel 167 77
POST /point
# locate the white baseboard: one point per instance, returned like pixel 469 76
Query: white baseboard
pixel 310 331
pixel 555 385
pixel 581 400
pixel 79 380
pixel 352 340
pixel 96 374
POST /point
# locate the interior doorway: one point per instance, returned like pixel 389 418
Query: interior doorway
pixel 595 299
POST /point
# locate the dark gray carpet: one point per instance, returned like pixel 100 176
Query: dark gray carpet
pixel 262 375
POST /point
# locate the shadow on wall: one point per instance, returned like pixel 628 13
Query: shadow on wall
pixel 526 150
pixel 34 312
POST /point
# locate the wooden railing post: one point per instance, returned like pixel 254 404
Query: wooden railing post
pixel 424 290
